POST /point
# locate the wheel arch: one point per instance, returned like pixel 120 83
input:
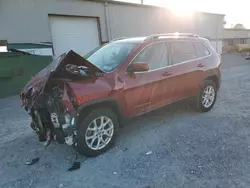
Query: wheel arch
pixel 215 78
pixel 110 103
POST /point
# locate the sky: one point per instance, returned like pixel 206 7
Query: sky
pixel 235 11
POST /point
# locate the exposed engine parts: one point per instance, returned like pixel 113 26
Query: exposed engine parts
pixel 54 120
pixel 60 127
pixel 50 100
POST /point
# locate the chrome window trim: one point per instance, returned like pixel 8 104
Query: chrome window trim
pixel 170 65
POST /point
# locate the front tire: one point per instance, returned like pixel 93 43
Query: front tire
pixel 207 96
pixel 97 132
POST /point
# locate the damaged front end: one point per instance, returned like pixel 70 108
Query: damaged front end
pixel 53 115
pixel 50 100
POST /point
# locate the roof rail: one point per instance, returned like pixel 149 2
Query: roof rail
pixel 155 36
pixel 120 38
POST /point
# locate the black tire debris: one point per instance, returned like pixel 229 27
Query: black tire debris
pixel 75 166
pixel 33 161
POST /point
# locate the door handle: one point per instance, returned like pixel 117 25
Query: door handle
pixel 200 65
pixel 167 74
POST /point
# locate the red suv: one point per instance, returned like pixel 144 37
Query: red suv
pixel 82 101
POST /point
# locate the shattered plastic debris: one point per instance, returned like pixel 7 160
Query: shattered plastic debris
pixel 75 166
pixel 149 153
pixel 33 161
pixel 115 173
pixel 46 143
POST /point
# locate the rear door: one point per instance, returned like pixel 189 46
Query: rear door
pixel 184 69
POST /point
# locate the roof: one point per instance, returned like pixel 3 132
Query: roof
pixel 144 5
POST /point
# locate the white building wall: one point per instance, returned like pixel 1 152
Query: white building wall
pixel 127 21
pixel 29 23
pixel 140 21
pixel 235 33
pixel 217 45
pixel 231 37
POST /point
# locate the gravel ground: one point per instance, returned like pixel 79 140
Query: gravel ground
pixel 189 149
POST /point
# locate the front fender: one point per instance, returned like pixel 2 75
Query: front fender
pixel 106 102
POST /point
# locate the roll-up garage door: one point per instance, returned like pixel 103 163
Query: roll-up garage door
pixel 73 33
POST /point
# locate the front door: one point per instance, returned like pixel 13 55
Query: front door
pixel 145 90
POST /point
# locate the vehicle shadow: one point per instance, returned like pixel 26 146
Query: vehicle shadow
pixel 159 116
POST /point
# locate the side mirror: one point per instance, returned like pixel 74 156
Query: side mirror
pixel 138 67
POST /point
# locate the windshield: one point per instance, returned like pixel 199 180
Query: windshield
pixel 110 56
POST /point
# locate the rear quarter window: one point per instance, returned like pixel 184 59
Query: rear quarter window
pixel 201 49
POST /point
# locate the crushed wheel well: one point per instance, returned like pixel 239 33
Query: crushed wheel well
pixel 214 79
pixel 106 104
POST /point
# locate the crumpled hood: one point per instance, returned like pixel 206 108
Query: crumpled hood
pixel 38 82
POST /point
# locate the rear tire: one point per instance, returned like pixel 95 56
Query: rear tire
pixel 207 96
pixel 97 132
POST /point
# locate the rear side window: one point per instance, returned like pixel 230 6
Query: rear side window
pixel 182 51
pixel 201 49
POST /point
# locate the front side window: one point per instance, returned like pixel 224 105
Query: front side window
pixel 182 51
pixel 155 55
pixel 110 56
pixel 201 49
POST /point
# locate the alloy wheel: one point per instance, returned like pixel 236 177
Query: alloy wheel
pixel 99 133
pixel 208 96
